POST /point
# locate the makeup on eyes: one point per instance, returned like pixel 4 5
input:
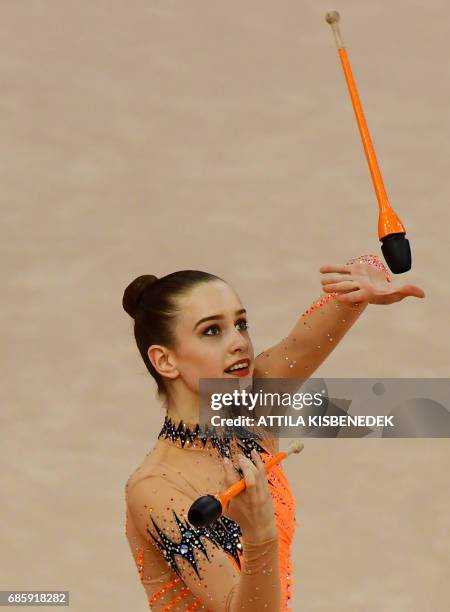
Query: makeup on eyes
pixel 218 316
pixel 217 326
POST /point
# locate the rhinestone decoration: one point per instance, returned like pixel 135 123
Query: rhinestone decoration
pixel 246 440
pixel 223 533
pixel 372 260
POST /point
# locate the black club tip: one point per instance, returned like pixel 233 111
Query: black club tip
pixel 204 511
pixel 397 252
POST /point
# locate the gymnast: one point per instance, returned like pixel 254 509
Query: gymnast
pixel 191 325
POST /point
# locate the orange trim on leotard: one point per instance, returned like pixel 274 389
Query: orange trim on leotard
pixel 284 506
pixel 140 563
pixel 176 599
pixel 167 587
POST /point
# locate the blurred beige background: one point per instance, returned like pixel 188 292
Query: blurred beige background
pixel 153 136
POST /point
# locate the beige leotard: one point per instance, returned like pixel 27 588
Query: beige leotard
pixel 186 568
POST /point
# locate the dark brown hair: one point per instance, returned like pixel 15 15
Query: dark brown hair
pixel 152 303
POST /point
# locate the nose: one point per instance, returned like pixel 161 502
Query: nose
pixel 238 342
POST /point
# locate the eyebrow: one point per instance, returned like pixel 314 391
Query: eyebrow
pixel 213 317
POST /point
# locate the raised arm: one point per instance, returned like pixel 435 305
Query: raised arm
pixel 348 291
pixel 314 336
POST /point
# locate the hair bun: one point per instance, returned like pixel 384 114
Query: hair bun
pixel 133 293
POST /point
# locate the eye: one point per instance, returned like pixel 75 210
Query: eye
pixel 244 323
pixel 205 333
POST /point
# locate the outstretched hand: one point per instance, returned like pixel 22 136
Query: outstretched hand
pixel 364 283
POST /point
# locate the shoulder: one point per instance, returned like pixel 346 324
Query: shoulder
pixel 147 479
pixel 153 498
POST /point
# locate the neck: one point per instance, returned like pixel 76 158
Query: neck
pixel 183 404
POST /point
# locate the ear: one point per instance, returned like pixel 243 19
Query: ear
pixel 163 361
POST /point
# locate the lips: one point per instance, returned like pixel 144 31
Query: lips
pixel 240 370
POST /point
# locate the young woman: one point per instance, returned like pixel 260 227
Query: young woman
pixel 191 325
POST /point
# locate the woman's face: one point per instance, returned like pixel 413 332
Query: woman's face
pixel 211 334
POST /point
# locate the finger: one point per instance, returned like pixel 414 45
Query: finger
pixel 258 461
pixel 412 290
pixel 334 278
pixel 248 470
pixel 350 285
pixel 231 475
pixel 335 268
pixel 262 473
pixel 353 297
pixel 246 461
